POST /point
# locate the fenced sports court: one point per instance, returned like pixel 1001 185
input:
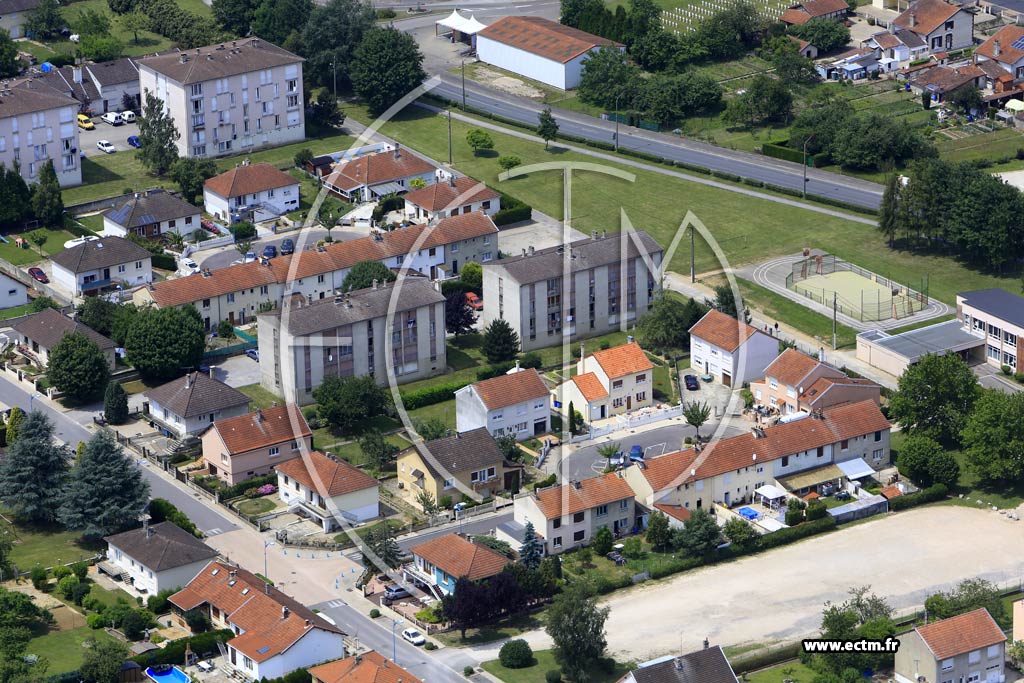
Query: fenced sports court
pixel 855 292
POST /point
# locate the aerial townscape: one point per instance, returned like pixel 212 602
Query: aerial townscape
pixel 575 341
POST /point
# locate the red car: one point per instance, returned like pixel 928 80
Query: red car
pixel 38 275
pixel 473 301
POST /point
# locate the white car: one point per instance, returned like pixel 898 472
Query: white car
pixel 189 266
pixel 414 636
pixel 127 116
pixel 105 147
pixel 113 118
pixel 250 256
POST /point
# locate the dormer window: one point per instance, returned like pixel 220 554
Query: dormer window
pixel 215 572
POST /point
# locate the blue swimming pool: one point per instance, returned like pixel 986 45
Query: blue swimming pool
pixel 170 674
pixel 748 513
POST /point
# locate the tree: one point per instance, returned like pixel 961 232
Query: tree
pixel 609 80
pixel 765 99
pixel 516 654
pixel 994 448
pixel 124 318
pixel 45 21
pixel 665 97
pixel 330 36
pixel 158 136
pixel 365 273
pixel 345 403
pixel 190 173
pixel 467 606
pixel 163 342
pixel 547 127
pixel 234 16
pixel 100 48
pixel 78 368
pixel 966 98
pixel 47 205
pixel 501 342
pixel 665 326
pixel 740 534
pixel 9 63
pixel 277 20
pixel 427 502
pixel 888 213
pixel 509 447
pixel 696 414
pixel 700 535
pixel 92 23
pixel 324 111
pixel 789 64
pixel 431 428
pixel 134 22
pixel 934 397
pixel 387 65
pixel 576 625
pixel 459 317
pixel 725 302
pixel 531 552
pixel 102 660
pixel 105 492
pixel 571 426
pixel 824 34
pixel 15 198
pixel 97 313
pixel 509 161
pixel 243 247
pixel 115 403
pixel 14 421
pixel 41 303
pixel 381 542
pixel 659 535
pixel 472 276
pixel 968 595
pixel 479 139
pixel 608 451
pixel 32 472
pixel 378 450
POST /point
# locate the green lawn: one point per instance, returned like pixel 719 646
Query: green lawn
pixel 256 506
pixel 54 243
pixel 93 222
pixel 15 311
pixel 794 671
pixel 44 546
pixel 260 396
pixel 748 229
pixel 1000 143
pixel 545 661
pixel 109 597
pixel 503 628
pixel 64 650
pixel 352 453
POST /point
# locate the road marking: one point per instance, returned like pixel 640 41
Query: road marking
pixel 337 603
pixel 213 532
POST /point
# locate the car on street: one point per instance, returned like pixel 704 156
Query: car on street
pixel 636 453
pixel 691 382
pixel 85 123
pixel 254 354
pixel 618 459
pixel 113 118
pixel 189 266
pixel 128 116
pixel 414 636
pixel 250 256
pixel 473 301
pixel 106 147
pixel 287 246
pixel 133 140
pixel 270 251
pixel 38 275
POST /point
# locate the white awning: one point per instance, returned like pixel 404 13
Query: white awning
pixel 856 468
pixel 472 26
pixel 453 21
pixel 770 492
pixel 1014 105
pixel 387 188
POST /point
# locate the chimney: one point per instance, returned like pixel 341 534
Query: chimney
pixel 531 250
pixel 629 339
pixel 359 658
pixel 375 283
pixel 188 380
pixel 913 19
pixel 182 58
pixel 145 526
pixel 707 643
pixel 266 588
pixel 284 612
pixel 76 75
pixel 456 435
pixel 593 234
pixel 254 42
pixel 451 180
pixel 259 414
pixel 398 150
pixel 308 623
pixel 996 48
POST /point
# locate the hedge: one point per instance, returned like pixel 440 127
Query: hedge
pixel 164 261
pixel 494 371
pixel 796 533
pixel 161 510
pixel 512 211
pixel 727 176
pixel 928 495
pixel 428 396
pixel 780 150
pixel 201 644
pixel 691 167
pixel 297 676
pixel 759 659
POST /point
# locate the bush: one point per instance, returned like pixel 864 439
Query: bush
pixel 66 586
pixel 512 211
pixel 531 360
pixel 496 370
pixel 198 621
pixel 93 604
pixel 243 230
pixel 135 623
pixel 374 613
pixel 201 645
pixel 80 569
pixel 60 571
pixel 157 604
pixel 794 517
pixel 428 396
pixel 1019 376
pixel 430 646
pixel 1006 369
pixel 468 671
pixel 516 654
pixel 816 510
pixel 39 578
pixel 928 495
pixel 779 150
pixel 95 621
pixel 553 676
pixel 80 592
pixel 784 536
pixel 546 481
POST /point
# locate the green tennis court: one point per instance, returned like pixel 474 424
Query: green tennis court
pixel 865 297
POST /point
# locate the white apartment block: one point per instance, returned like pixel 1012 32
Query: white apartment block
pixel 37 124
pixel 229 98
pixel 997 316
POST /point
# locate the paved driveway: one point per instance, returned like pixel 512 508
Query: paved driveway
pixel 237 371
pixel 991 377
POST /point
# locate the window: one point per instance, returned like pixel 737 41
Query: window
pixel 320 279
pixel 578 517
pixel 486 205
pixel 772 383
pixel 974 677
pixel 617 384
pixel 785 461
pixel 486 256
pixel 295 446
pixel 641 396
pixel 206 303
pixel 878 436
pixel 231 298
pixel 557 523
pixel 579 536
pixel 556 542
pixel 974 657
pixel 624 504
pixel 449 483
pixel 247 662
pixel 949 25
pixel 264 289
pixel 275 450
pixel 641 379
pixel 617 402
pixel 947 665
pixel 876 454
pixel 1010 338
pixel 993 651
pixel 821 450
pixel 122 268
pixel 138 265
pixel 602 510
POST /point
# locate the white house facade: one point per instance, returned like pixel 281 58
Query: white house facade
pixel 327 488
pixel 157 557
pixel 518 403
pixel 37 124
pixel 732 352
pixel 12 292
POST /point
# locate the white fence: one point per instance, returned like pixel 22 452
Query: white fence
pixel 646 416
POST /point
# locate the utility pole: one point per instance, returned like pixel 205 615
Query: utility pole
pixel 334 72
pixel 835 306
pixel 463 85
pixel 804 187
pixel 617 121
pixel 449 137
pixel 693 266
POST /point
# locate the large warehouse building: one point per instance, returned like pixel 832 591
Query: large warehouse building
pixel 540 49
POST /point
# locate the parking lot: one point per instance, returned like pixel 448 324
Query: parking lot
pixel 116 135
pixel 237 371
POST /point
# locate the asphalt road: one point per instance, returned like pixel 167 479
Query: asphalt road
pixel 222 259
pixel 468 526
pixel 70 432
pixel 774 171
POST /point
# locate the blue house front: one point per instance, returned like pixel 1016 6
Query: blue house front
pixel 438 564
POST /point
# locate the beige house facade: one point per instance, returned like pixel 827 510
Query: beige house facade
pixel 251 445
pixel 610 382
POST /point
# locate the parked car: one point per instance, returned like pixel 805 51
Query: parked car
pixel 189 266
pixel 133 140
pixel 85 123
pixel 38 275
pixel 106 147
pixel 113 118
pixel 636 453
pixel 270 251
pixel 128 116
pixel 414 636
pixel 473 301
pixel 396 592
pixel 618 459
pixel 207 224
pixel 691 382
pixel 287 246
pixel 254 354
pixel 250 256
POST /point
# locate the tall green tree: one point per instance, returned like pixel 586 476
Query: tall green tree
pixel 740 533
pixel 115 403
pixel 610 80
pixel 103 660
pixel 10 65
pixel 190 174
pixel 576 625
pixel 666 324
pixel 163 343
pixel 659 535
pixel 276 20
pixel 158 135
pixel 472 276
pixel 47 205
pixel 384 548
pixel 78 368
pixel 547 127
pixel 346 403
pixel 234 16
pixel 378 450
pixel 479 139
pixel 696 414
pixel 531 552
pixel 926 462
pixel 700 535
pixel 14 421
pixel 459 318
pixel 15 198
pixel 824 34
pixel 45 20
pixel 386 66
pixel 765 99
pixel 934 397
pixel 431 428
pixel 888 214
pixel 501 342
pixel 32 472
pixel 134 23
pixel 97 314
pixel 992 438
pixel 364 273
pixel 330 37
pixel 105 492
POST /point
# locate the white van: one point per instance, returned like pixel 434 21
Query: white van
pixel 113 118
pixel 128 116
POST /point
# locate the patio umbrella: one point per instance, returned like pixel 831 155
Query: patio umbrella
pixel 1015 105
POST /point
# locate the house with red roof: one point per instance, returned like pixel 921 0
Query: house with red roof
pixel 441 562
pixel 942 26
pixel 256 192
pixel 516 403
pixel 328 489
pixel 729 350
pixel 369 177
pixel 609 382
pixel 239 448
pixel 452 197
pixel 797 383
pixel 275 634
pixel 967 647
pixel 801 13
pixel 368 667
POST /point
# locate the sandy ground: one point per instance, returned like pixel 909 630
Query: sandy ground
pixel 779 595
pixel 508 84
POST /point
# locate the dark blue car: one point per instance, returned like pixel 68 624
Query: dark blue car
pixel 287 246
pixel 133 140
pixel 636 453
pixel 270 251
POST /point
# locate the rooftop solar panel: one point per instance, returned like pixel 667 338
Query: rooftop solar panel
pixel 1019 43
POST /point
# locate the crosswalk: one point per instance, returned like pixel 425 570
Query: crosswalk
pixel 213 532
pixel 337 603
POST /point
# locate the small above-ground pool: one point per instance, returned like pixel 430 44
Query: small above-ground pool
pixel 167 674
pixel 748 513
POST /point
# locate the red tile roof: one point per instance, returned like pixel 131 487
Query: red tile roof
pixel 262 428
pixel 374 169
pixel 446 196
pixel 928 16
pixel 569 499
pixel 1007 38
pixel 248 179
pixel 813 393
pixel 795 16
pixel 888 492
pixel 886 40
pixel 590 386
pixel 623 360
pixel 459 557
pixel 369 667
pixel 722 330
pixel 791 367
pixel 821 8
pixel 663 471
pixel 327 477
pixel 675 511
pixel 544 37
pixel 508 390
pixel 958 635
pixel 272 621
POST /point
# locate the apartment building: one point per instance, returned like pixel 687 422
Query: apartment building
pixel 607 286
pixel 998 317
pixel 37 124
pixel 238 292
pixel 969 647
pixel 347 335
pixel 229 98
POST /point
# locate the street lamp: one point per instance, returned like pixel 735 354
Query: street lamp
pixel 458 513
pixel 32 398
pixel 463 85
pixel 266 544
pixel 394 640
pixel 334 72
pixel 806 142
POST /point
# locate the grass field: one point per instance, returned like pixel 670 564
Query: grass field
pixel 748 229
pixel 793 671
pixel 260 396
pixel 55 240
pixel 44 546
pixel 64 650
pixel 545 661
pixel 1000 143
